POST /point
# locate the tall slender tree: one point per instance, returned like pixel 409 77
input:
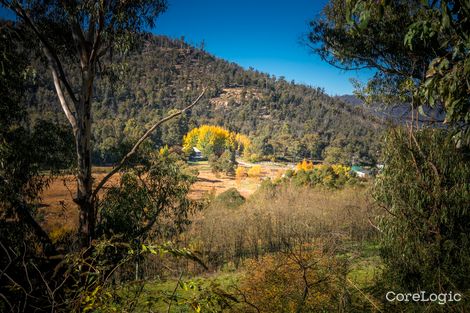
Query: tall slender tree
pixel 81 34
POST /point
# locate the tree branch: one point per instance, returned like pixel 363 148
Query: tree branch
pixel 94 55
pixel 139 142
pixel 63 102
pixel 51 55
pixel 80 41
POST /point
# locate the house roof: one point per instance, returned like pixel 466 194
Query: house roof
pixel 196 150
pixel 356 168
pixel 359 169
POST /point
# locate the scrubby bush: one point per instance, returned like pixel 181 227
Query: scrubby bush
pixel 154 194
pixel 230 199
pixel 277 216
pixel 224 164
pixel 424 191
pixel 240 172
pixel 255 158
pixel 255 171
pixel 332 176
pixel 304 165
pixel 302 279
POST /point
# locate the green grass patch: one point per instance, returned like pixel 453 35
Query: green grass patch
pixel 183 294
pixel 365 264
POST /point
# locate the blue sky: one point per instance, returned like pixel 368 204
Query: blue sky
pixel 262 34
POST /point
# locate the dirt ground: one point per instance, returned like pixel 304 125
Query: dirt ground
pixel 209 182
pixel 57 208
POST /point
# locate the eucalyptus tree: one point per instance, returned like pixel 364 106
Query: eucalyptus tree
pixel 419 50
pixel 75 37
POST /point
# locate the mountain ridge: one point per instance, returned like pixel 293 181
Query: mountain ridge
pixel 165 74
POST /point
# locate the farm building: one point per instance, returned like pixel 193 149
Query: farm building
pixel 196 155
pixel 360 171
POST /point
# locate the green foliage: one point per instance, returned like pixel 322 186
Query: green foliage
pixel 188 294
pixel 150 201
pixel 92 276
pixel 19 171
pixel 156 81
pixel 230 199
pixel 29 157
pixel 358 34
pixel 419 49
pixel 225 163
pixel 331 176
pixel 445 24
pixel 423 189
pixel 54 144
pixel 335 155
pixel 24 152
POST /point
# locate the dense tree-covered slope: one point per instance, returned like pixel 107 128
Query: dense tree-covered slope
pixel 283 119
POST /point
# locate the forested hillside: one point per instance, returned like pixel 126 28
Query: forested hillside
pixel 284 120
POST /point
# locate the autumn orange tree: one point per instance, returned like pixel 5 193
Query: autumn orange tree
pixel 299 279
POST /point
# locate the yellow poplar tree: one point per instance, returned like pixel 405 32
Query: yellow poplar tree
pixel 212 139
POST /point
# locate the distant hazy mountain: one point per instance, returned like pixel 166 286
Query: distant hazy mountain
pixel 396 114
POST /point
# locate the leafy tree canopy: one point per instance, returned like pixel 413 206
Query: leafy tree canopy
pixel 420 50
pixel 214 140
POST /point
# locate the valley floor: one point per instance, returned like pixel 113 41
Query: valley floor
pixel 57 208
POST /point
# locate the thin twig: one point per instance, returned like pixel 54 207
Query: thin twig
pixel 174 291
pixel 365 296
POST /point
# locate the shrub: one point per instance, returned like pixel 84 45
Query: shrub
pixel 304 165
pixel 300 280
pixel 230 199
pixel 62 235
pixel 426 224
pixel 255 171
pixel 240 172
pixel 289 173
pixel 225 163
pixel 254 157
pixel 333 176
pixel 151 199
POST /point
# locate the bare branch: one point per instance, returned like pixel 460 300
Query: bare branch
pixel 373 225
pixel 174 291
pixel 6 301
pixel 80 41
pixel 51 54
pixel 63 102
pixel 139 142
pixel 94 55
pixel 9 259
pixel 364 295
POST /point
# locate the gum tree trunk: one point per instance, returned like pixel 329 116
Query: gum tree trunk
pixel 84 197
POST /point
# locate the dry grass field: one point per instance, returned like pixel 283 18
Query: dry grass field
pixel 56 204
pixel 59 211
pixel 209 182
